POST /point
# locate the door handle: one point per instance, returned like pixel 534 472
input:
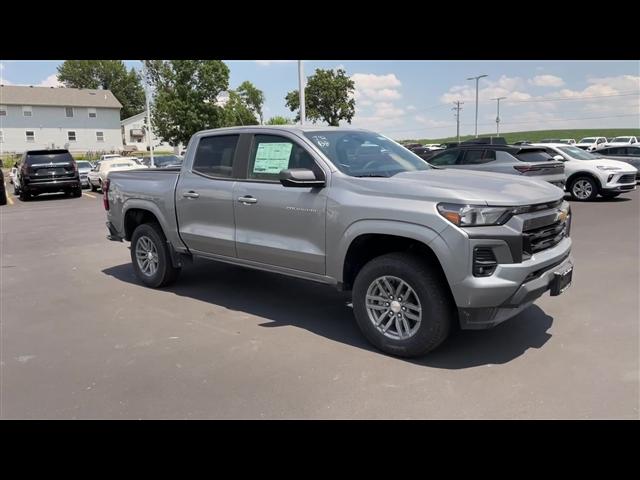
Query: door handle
pixel 190 194
pixel 247 200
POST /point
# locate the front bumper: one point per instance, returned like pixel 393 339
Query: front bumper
pixel 534 286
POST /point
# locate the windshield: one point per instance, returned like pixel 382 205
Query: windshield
pixel 622 139
pixel 84 165
pixel 588 140
pixel 365 154
pixel 577 153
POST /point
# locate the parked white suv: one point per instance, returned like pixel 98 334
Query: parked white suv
pixel 592 143
pixel 622 141
pixel 588 174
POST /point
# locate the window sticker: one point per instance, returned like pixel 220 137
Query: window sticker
pixel 321 141
pixel 272 157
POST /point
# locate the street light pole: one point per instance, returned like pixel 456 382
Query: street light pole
pixel 498 115
pixel 457 108
pixel 301 91
pixel 149 133
pixel 477 79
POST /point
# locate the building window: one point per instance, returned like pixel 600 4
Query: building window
pixel 3 110
pixel 68 112
pixel 100 136
pixel 26 111
pixel 31 136
pixel 71 135
pixel 92 113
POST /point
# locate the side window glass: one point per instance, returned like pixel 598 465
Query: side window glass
pixel 214 156
pixel 444 159
pixel 270 154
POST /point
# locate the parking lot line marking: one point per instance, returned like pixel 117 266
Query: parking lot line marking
pixel 89 195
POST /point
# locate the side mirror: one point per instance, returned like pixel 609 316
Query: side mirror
pixel 560 158
pixel 300 177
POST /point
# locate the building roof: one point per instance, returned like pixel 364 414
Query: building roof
pixel 133 118
pixel 63 97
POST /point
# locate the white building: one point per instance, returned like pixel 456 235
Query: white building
pixel 45 117
pixel 134 134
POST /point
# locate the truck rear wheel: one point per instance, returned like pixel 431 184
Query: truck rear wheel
pixel 401 305
pixel 151 257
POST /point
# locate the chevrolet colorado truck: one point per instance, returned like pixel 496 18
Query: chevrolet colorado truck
pixel 421 249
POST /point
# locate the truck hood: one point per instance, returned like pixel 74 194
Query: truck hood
pixel 605 162
pixel 463 186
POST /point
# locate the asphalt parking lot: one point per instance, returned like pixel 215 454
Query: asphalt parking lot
pixel 80 338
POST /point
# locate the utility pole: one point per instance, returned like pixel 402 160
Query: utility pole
pixel 498 115
pixel 149 132
pixel 457 108
pixel 477 79
pixel 301 90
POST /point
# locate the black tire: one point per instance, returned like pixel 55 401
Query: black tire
pixel 582 181
pixel 92 187
pixel 100 182
pixel 16 190
pixel 77 192
pixel 437 310
pixel 24 196
pixel 166 273
pixel 3 197
pixel 610 194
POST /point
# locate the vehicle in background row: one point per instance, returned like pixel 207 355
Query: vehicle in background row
pixel 425 153
pixel 622 141
pixel 522 142
pixel 629 154
pixel 568 141
pixel 411 146
pixel 588 174
pixel 98 176
pixel 45 171
pixel 433 146
pixel 592 143
pixel 3 189
pixel 421 249
pixel 13 174
pixel 529 161
pixel 163 161
pixel 84 168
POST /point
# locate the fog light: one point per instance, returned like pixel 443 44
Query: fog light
pixel 609 178
pixel 484 262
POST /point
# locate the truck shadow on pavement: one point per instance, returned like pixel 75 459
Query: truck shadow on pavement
pixel 322 310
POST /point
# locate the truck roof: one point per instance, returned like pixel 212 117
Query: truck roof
pixel 291 128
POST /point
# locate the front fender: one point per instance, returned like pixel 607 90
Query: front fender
pixel 336 258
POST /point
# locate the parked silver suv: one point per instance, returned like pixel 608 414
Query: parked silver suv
pixel 420 248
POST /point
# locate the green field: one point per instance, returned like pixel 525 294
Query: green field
pixel 538 135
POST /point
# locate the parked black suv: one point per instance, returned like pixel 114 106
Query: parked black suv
pixel 43 171
pixel 3 191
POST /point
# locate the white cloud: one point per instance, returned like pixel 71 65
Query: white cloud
pixel 50 81
pixel 375 82
pixel 266 63
pixel 546 81
pixel 411 107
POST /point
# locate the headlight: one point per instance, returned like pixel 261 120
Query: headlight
pixel 603 167
pixel 475 215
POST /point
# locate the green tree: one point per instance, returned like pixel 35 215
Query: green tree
pixel 237 111
pixel 328 97
pixel 112 75
pixel 186 97
pixel 252 97
pixel 279 120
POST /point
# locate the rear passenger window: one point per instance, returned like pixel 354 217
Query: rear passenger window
pixel 476 157
pixel 271 154
pixel 534 156
pixel 444 159
pixel 214 156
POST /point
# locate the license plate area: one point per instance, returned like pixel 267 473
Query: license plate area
pixel 561 281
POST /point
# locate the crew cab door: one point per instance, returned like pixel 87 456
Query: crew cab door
pixel 204 196
pixel 277 225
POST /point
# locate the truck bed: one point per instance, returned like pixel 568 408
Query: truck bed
pixel 150 189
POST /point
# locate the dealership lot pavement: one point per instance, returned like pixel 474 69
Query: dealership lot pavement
pixel 80 338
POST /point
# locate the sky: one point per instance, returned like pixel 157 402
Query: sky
pixel 414 99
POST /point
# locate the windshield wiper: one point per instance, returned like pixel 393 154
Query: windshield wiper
pixel 372 175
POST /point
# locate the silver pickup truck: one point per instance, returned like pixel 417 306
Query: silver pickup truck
pixel 421 249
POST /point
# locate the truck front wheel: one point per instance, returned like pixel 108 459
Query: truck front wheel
pixel 151 257
pixel 401 305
